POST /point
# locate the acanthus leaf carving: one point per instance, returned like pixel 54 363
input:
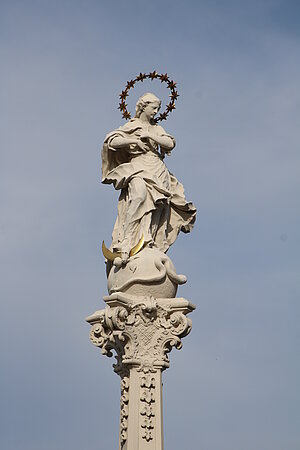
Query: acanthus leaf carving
pixel 141 333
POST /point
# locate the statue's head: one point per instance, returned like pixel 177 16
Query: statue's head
pixel 144 101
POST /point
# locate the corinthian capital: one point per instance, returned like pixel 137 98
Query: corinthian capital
pixel 141 330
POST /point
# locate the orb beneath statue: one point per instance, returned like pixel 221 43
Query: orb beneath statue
pixel 149 273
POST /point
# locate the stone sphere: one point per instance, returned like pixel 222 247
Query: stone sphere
pixel 150 272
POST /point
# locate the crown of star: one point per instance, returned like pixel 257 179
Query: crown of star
pixel 163 77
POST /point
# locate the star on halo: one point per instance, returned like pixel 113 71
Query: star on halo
pixel 171 84
pixel 170 107
pixel 141 77
pixel 123 95
pixel 163 116
pixel 153 75
pixel 122 105
pixel 126 115
pixel 174 95
pixel 163 77
pixel 130 84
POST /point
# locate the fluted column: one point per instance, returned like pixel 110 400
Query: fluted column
pixel 141 331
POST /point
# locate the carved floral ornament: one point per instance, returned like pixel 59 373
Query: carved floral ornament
pixel 151 76
pixel 141 333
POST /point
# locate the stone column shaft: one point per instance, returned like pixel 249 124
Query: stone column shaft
pixel 145 431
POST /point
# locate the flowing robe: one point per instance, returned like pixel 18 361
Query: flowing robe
pixel 164 212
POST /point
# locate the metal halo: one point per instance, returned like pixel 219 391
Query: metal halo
pixel 152 76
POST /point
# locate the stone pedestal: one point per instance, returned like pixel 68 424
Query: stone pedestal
pixel 141 330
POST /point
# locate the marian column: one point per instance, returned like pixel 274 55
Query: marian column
pixel 143 319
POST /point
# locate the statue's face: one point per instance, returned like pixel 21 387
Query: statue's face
pixel 151 110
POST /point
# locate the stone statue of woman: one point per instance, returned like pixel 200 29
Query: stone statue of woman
pixel 152 204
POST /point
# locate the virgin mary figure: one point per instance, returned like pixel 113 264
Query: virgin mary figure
pixel 152 203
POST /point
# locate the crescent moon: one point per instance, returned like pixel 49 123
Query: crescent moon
pixel 108 254
pixel 137 247
pixel 112 255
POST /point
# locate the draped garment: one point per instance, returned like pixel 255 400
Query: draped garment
pixel 164 212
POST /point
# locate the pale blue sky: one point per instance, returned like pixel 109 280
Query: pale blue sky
pixel 234 386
